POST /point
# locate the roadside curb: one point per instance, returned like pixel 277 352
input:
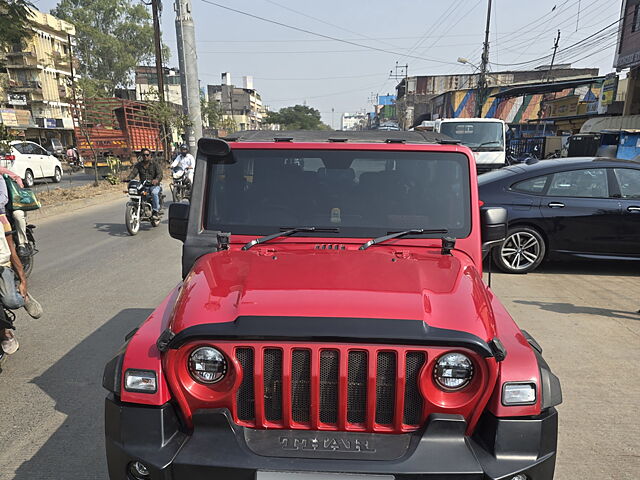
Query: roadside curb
pixel 71 205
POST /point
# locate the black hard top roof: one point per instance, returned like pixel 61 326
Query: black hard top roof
pixel 319 136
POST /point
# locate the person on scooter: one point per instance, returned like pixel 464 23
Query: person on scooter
pixel 19 217
pixel 185 161
pixel 13 283
pixel 147 169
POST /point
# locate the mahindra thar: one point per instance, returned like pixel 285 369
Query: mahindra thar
pixel 332 322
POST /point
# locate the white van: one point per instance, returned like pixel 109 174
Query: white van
pixel 30 161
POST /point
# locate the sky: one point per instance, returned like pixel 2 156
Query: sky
pixel 343 73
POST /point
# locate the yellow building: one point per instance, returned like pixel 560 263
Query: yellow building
pixel 36 95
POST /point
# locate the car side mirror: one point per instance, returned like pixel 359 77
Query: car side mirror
pixel 49 152
pixel 178 220
pixel 493 221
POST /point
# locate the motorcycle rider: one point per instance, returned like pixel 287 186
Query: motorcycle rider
pixel 13 283
pixel 19 217
pixel 147 169
pixel 185 161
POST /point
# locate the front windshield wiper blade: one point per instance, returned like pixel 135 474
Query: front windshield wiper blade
pixel 415 231
pixel 286 233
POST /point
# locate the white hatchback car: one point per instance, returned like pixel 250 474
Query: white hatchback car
pixel 30 161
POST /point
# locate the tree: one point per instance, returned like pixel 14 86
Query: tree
pixel 113 37
pixel 298 117
pixel 14 21
pixel 213 114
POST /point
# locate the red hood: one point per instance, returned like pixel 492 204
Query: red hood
pixel 444 291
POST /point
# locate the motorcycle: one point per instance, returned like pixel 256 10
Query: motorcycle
pixel 139 207
pixel 181 185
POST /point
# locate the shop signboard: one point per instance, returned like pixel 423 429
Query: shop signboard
pixel 8 117
pixel 49 123
pixel 16 99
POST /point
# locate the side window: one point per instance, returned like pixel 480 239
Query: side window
pixel 18 147
pixel 38 150
pixel 629 182
pixel 534 186
pixel 591 183
pixel 27 148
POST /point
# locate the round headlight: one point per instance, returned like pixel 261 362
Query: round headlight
pixel 453 371
pixel 207 365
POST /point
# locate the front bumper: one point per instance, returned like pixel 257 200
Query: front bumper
pixel 219 449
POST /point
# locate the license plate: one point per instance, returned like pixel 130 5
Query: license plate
pixel 318 476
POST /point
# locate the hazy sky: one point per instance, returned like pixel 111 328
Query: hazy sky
pixel 291 66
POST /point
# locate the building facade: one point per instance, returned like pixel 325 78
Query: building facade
pixel 415 95
pixel 241 105
pixel 36 96
pixel 354 121
pixel 147 84
pixel 628 53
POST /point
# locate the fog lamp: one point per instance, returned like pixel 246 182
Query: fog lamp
pixel 139 471
pixel 142 381
pixel 453 371
pixel 520 476
pixel 518 394
pixel 207 365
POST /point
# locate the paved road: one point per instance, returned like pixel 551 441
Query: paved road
pixel 97 283
pixel 69 180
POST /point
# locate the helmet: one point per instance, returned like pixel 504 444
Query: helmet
pixel 184 146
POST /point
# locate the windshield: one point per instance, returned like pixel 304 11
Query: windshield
pixel 359 193
pixel 488 136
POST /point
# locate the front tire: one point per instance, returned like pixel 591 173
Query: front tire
pixel 521 252
pixel 132 220
pixel 57 176
pixel 177 194
pixel 28 179
pixel 27 264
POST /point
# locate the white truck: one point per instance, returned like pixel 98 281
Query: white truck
pixel 486 137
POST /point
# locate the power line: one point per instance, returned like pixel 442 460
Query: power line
pixel 298 29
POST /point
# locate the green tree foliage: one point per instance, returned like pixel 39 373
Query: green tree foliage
pixel 298 117
pixel 14 21
pixel 113 36
pixel 213 113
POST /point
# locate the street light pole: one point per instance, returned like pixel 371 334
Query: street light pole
pixel 188 61
pixel 482 79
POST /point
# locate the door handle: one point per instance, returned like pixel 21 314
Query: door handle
pixel 633 209
pixel 556 205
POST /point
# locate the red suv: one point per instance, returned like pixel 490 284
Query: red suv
pixel 332 321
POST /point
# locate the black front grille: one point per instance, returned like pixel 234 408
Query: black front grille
pixel 273 384
pixel 357 387
pixel 329 369
pixel 300 385
pixel 412 396
pixel 245 397
pixel 386 388
pixel 326 370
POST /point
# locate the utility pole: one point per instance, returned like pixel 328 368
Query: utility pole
pixel 188 61
pixel 553 58
pixel 156 7
pixel 402 71
pixel 482 79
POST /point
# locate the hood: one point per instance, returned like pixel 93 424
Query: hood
pixel 445 291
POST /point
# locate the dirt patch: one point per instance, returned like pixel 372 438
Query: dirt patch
pixel 62 195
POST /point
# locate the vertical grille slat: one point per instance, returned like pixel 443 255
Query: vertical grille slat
pixel 245 395
pixel 329 368
pixel 412 396
pixel 357 387
pixel 300 385
pixel 273 384
pixel 385 388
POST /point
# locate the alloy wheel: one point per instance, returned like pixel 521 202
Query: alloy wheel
pixel 521 250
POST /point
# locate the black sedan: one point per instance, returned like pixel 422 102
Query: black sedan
pixel 584 207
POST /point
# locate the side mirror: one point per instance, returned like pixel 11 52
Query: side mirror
pixel 493 221
pixel 178 220
pixel 50 152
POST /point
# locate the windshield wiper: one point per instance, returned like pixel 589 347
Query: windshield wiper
pixel 415 231
pixel 286 233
